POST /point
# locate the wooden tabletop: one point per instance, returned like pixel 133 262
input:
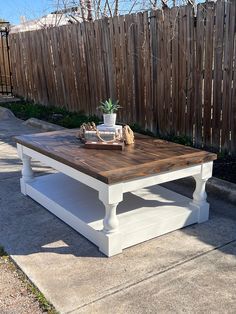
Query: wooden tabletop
pixel 146 157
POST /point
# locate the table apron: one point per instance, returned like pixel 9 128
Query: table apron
pixel 125 186
pixel 163 177
pixel 71 172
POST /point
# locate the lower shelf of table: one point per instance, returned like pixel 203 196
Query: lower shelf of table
pixel 143 214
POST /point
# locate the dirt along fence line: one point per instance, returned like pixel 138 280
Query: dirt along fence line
pixel 174 71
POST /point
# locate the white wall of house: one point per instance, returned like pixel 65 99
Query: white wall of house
pixel 50 20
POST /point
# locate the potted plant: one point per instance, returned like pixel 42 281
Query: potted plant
pixel 109 109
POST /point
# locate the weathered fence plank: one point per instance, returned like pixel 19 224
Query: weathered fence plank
pixel 227 74
pixel 198 101
pixel 175 70
pixel 210 14
pixel 217 82
pixel 190 71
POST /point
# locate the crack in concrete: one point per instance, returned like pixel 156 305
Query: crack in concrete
pixel 151 276
pixel 10 177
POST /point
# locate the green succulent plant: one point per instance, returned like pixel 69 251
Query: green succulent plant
pixel 109 106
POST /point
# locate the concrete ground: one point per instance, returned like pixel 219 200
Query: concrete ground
pixel 192 270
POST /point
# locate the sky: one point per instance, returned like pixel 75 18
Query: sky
pixel 11 10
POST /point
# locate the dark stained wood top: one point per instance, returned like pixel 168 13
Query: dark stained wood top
pixel 148 156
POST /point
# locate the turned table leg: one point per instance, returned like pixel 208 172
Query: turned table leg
pixel 199 199
pixel 110 221
pixel 27 173
pixel 199 194
pixel 111 244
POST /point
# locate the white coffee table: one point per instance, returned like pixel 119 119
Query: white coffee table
pixel 113 198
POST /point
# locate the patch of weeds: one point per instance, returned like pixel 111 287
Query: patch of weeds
pixel 3 253
pixel 179 139
pixel 24 110
pixel 46 306
pixel 43 303
pixel 138 129
pixel 60 116
pixel 222 155
pixel 73 120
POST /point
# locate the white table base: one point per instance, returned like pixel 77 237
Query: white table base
pixel 135 211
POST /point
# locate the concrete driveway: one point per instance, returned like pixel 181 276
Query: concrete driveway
pixel 192 270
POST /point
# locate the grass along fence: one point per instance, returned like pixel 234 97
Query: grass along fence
pixel 173 72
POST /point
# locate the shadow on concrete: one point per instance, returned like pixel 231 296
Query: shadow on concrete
pixel 27 228
pixel 220 229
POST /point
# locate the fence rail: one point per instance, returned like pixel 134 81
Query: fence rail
pixel 173 72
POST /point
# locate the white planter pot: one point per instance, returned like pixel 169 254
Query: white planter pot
pixel 109 119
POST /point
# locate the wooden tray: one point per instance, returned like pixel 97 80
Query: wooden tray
pixel 104 145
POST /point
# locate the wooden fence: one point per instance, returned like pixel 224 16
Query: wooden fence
pixel 174 72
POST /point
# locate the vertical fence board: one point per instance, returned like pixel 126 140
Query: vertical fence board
pixel 140 70
pixel 166 63
pixel 147 73
pixel 160 73
pixel 123 69
pixel 87 66
pixel 190 72
pixel 217 82
pixel 84 77
pixel 12 58
pixel 132 49
pixel 182 71
pixel 175 76
pixel 210 14
pixel 153 43
pixel 198 101
pixel 129 65
pixel 233 104
pixel 227 74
